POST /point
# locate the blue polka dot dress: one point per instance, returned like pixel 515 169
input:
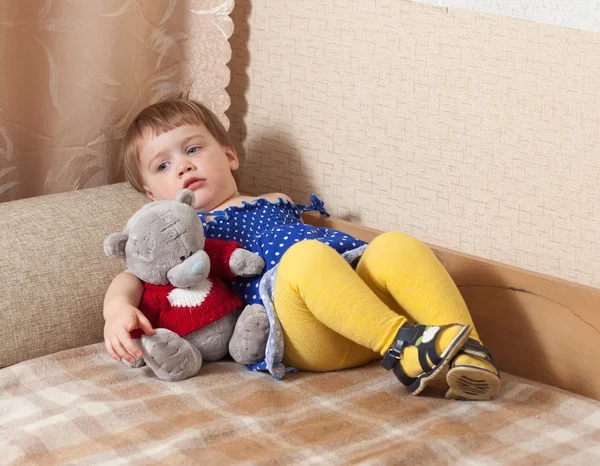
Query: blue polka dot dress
pixel 269 229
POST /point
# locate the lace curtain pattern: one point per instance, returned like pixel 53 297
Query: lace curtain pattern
pixel 74 73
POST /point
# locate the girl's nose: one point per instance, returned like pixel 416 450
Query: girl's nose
pixel 184 168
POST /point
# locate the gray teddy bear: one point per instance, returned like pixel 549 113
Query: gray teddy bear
pixel 163 244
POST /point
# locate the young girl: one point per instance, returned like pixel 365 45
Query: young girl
pixel 338 302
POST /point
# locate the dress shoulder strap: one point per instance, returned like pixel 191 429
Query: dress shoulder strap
pixel 316 205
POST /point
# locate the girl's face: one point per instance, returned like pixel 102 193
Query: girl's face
pixel 188 157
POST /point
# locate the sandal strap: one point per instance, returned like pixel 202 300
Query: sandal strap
pixel 476 350
pixel 404 337
pixel 409 335
pixel 427 350
pixel 403 377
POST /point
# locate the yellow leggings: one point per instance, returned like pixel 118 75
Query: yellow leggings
pixel 335 318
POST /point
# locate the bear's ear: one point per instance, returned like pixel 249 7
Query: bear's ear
pixel 114 245
pixel 186 196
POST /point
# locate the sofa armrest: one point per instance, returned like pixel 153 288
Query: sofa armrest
pixel 54 269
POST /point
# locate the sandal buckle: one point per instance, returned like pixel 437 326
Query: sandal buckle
pixel 390 358
pixel 404 336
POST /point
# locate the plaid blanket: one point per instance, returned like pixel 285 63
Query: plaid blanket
pixel 80 407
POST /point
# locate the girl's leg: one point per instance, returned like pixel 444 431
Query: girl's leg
pixel 332 320
pixel 405 273
pixel 320 300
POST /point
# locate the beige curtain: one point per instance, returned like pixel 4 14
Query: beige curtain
pixel 73 73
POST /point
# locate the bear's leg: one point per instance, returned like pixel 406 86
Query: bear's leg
pixel 213 339
pixel 171 357
pixel 249 340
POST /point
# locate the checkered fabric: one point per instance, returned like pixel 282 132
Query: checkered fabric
pixel 80 407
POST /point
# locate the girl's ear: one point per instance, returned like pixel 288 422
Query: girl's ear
pixel 234 162
pixel 149 194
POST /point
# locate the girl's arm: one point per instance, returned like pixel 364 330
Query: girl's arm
pixel 121 316
pixel 274 197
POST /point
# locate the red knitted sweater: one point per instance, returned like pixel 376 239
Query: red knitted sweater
pixel 184 310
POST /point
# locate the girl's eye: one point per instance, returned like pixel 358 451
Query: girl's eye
pixel 193 150
pixel 162 167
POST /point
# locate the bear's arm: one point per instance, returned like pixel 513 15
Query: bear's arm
pixel 219 252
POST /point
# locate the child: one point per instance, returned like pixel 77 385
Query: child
pixel 333 316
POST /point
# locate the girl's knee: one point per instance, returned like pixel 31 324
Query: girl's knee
pixel 400 242
pixel 307 245
pixel 308 252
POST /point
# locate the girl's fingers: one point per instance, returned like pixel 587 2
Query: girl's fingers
pixel 145 324
pixel 125 339
pixel 111 352
pixel 121 351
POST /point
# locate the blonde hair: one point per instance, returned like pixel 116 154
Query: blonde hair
pixel 175 111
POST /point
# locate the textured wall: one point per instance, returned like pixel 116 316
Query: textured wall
pixel 580 14
pixel 475 132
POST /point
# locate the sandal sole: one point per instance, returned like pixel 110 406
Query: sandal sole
pixel 451 351
pixel 471 383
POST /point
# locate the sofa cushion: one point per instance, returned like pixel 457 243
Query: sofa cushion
pixel 54 269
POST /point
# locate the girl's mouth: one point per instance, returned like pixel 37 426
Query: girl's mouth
pixel 193 183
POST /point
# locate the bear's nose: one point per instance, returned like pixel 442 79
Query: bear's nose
pixel 197 268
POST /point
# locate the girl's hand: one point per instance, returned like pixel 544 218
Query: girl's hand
pixel 119 323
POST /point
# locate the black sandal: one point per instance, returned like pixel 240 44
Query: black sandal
pixel 423 337
pixel 468 382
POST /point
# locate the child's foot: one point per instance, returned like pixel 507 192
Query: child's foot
pixel 472 374
pixel 421 352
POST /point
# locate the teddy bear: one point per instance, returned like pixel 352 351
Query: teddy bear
pixel 194 313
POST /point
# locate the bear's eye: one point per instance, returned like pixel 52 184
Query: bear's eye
pixel 190 254
pixel 182 258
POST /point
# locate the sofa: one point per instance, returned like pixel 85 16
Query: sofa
pixel 63 400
